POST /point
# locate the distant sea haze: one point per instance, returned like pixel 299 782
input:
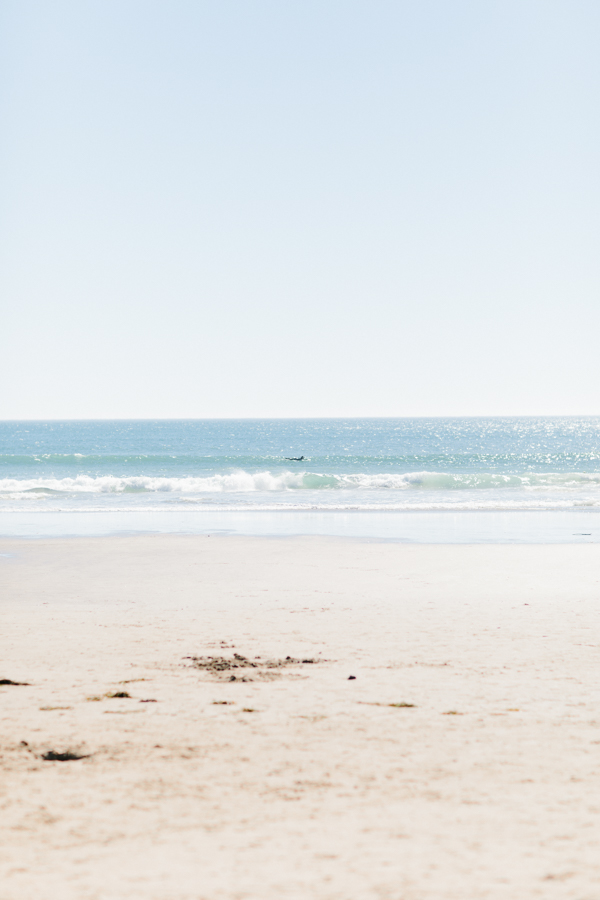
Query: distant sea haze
pixel 349 464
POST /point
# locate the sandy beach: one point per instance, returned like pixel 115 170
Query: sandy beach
pixel 461 760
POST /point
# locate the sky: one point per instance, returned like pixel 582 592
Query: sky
pixel 247 208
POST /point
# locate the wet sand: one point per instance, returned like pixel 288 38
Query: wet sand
pixel 461 761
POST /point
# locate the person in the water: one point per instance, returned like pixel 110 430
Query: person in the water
pixel 295 458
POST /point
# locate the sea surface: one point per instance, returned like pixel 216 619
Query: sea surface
pixel 202 472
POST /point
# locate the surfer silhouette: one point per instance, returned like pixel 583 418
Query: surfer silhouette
pixel 295 458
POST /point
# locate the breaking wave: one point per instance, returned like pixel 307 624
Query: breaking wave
pixel 246 482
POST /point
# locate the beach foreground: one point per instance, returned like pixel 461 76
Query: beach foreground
pixel 461 761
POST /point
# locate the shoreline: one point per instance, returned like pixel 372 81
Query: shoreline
pixel 411 527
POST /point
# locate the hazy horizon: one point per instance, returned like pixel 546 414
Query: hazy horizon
pixel 286 418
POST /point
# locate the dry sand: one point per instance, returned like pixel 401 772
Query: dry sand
pixel 299 782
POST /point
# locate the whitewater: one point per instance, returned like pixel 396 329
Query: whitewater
pixel 309 490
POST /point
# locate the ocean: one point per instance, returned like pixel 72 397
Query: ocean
pixel 215 475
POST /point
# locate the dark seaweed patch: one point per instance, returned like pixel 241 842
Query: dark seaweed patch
pixel 67 756
pixel 221 665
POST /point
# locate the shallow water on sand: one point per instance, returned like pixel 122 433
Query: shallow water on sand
pixel 404 527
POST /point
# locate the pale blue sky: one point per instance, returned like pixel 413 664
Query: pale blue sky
pixel 248 208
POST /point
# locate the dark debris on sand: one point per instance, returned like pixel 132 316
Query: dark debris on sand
pixel 15 683
pixel 222 665
pixel 67 756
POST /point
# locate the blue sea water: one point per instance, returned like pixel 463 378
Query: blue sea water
pixel 202 472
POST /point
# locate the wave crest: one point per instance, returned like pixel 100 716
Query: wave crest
pixel 246 482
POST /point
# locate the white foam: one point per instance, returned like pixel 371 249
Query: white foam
pixel 247 482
